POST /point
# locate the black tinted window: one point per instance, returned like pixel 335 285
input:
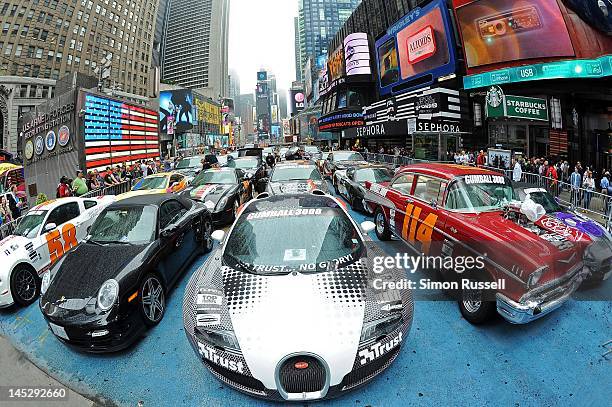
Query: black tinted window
pixel 64 213
pixel 170 212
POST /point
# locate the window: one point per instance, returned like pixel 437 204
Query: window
pixel 429 189
pixel 403 184
pixel 39 52
pixel 170 212
pixel 18 50
pixel 23 91
pixel 89 204
pixel 63 214
pixel 8 49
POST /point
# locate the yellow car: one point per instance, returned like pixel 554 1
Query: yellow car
pixel 162 183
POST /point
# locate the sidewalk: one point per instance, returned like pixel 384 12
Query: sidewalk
pixel 18 371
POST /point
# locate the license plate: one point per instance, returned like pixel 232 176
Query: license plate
pixel 58 330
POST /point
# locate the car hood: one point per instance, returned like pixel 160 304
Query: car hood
pixel 210 193
pixel 144 192
pixel 82 272
pixel 295 186
pixel 276 316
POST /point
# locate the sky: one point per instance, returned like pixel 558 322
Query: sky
pixel 261 35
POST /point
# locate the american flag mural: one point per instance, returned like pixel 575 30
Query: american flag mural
pixel 118 132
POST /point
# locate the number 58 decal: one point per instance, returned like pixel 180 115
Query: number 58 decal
pixel 57 248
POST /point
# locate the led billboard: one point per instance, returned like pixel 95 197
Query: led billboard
pixel 180 105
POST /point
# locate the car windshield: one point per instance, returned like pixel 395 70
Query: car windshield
pixel 546 200
pixel 215 177
pixel 297 173
pixel 480 193
pixel 307 240
pixel 311 149
pixel 244 163
pixel 373 175
pixel 30 225
pixel 188 163
pixel 151 183
pixel 129 225
pixel 347 156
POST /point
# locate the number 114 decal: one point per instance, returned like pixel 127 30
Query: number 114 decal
pixel 417 230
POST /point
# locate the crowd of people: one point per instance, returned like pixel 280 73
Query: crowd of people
pixel 10 206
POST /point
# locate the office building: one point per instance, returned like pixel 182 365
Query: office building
pixel 195 49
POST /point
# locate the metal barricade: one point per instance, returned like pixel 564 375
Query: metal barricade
pixel 117 189
pixel 7 229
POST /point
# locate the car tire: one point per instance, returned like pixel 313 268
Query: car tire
pixel 25 285
pixel 383 231
pixel 207 240
pixel 152 298
pixel 474 309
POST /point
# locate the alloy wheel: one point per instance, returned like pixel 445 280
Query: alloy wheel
pixel 25 285
pixel 153 299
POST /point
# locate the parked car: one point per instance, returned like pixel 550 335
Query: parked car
pixel 338 161
pixel 528 265
pixel 161 183
pixel 285 309
pixel 352 185
pixel 254 169
pixel 222 191
pixel 295 176
pixel 41 238
pixel 103 295
pixel 189 167
pixel 598 256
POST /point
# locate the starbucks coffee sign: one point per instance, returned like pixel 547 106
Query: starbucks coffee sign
pixel 518 107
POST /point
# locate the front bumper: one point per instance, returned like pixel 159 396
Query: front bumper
pixel 121 332
pixel 223 218
pixel 537 304
pixel 6 297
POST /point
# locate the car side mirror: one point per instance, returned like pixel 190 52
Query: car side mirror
pixel 367 226
pixel 167 232
pixel 218 235
pixel 49 227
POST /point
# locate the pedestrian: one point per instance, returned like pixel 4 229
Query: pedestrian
pixel 589 186
pixel 78 185
pixel 553 177
pixel 604 184
pixel 517 172
pixel 144 168
pixel 109 180
pixel 576 183
pixel 5 212
pixel 63 188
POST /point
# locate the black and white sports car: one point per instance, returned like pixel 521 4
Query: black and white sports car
pixel 351 185
pixel 287 307
pixel 295 177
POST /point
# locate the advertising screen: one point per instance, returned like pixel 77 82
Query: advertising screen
pixel 416 50
pixel 498 31
pixel 335 65
pixel 297 100
pixel 357 54
pixel 423 46
pixel 179 104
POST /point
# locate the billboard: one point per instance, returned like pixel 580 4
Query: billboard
pixel 501 31
pixel 180 105
pixel 357 54
pixel 418 49
pixel 274 111
pixel 297 100
pixel 336 69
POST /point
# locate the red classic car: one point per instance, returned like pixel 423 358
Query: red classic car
pixel 529 265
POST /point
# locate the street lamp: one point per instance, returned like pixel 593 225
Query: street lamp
pixel 103 70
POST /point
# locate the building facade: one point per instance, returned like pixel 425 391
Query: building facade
pixel 195 48
pixel 43 40
pixel 318 22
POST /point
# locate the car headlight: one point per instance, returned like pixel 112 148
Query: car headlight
pixel 223 339
pixel 222 203
pixel 108 294
pixel 46 280
pixel 380 328
pixel 535 277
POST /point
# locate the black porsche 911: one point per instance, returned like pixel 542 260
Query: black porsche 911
pixel 102 295
pixel 222 190
pixel 253 167
pixel 189 167
pixel 352 184
pixel 294 177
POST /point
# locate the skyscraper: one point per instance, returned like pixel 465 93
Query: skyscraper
pixel 195 49
pixel 298 52
pixel 318 22
pixel 44 40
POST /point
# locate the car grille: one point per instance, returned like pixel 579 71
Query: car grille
pixel 365 373
pixel 250 383
pixel 306 380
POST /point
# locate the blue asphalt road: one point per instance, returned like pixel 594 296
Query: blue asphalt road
pixel 444 361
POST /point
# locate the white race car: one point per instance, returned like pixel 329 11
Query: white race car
pixel 41 238
pixel 288 307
